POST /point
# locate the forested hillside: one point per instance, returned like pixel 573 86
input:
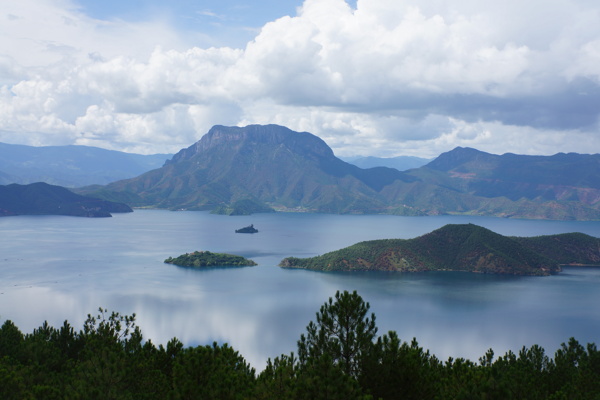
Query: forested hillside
pixel 340 356
pixel 465 247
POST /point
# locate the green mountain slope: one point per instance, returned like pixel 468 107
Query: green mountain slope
pixel 567 248
pixel 562 186
pixel 44 199
pixel 458 248
pixel 266 164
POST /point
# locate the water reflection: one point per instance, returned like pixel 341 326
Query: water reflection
pixel 57 268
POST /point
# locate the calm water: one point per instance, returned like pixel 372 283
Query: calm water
pixel 56 268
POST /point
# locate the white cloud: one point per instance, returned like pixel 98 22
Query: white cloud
pixel 38 33
pixel 387 78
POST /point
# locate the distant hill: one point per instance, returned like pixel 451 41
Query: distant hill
pixel 44 199
pixel 459 248
pixel 71 166
pixel 566 185
pixel 237 170
pixel 401 163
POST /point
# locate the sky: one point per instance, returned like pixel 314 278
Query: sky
pixel 370 77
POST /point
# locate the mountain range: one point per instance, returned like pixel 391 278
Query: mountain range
pixel 268 165
pixel 273 167
pixel 71 166
pixel 460 247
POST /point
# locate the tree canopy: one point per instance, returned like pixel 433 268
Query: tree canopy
pixel 339 357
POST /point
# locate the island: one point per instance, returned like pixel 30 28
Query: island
pixel 460 247
pixel 209 259
pixel 247 229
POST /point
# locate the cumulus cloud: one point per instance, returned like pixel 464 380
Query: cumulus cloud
pixel 384 78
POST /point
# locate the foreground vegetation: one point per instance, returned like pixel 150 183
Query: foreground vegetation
pixel 339 356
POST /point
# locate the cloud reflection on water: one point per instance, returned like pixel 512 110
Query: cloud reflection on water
pixel 56 273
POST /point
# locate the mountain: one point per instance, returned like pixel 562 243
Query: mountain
pixel 71 166
pixel 265 164
pixel 401 163
pixel 459 248
pixel 238 170
pixel 44 199
pixel 567 178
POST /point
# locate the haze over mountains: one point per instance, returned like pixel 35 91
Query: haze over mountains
pixel 71 166
pixel 76 166
pixel 272 166
pixel 401 163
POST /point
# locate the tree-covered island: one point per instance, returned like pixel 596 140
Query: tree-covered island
pixel 460 247
pixel 209 259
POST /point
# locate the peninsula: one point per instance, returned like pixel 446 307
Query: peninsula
pixel 43 199
pixel 209 259
pixel 464 247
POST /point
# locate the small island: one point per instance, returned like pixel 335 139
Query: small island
pixel 209 259
pixel 247 229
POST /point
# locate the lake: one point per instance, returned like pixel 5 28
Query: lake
pixel 55 268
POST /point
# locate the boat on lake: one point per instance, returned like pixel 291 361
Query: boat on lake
pixel 247 229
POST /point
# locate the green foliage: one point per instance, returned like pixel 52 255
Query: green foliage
pixel 279 378
pixel 209 259
pixel 343 332
pixel 322 378
pixel 396 369
pixel 212 372
pixel 459 247
pixel 339 357
pixel 11 339
pixel 566 248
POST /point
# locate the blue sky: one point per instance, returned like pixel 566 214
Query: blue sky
pixel 228 22
pixel 370 77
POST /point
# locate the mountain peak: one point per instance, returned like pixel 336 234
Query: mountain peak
pixel 235 138
pixel 264 164
pixel 458 156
